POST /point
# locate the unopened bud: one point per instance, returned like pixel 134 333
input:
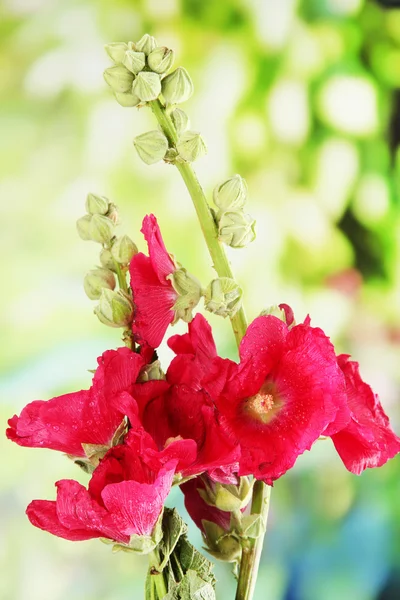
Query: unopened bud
pixel 96 280
pixel 134 61
pixel 228 497
pixel 221 544
pixel 161 59
pixel 231 194
pixel 151 146
pixel 177 87
pixel 116 51
pixel 107 260
pixel 96 204
pixel 101 229
pixel 151 372
pixel 115 308
pixel 83 227
pixel 223 297
pixel 147 86
pixel 189 293
pixel 123 249
pixel 113 213
pixel 191 146
pixel 146 44
pixel 127 100
pixel 180 120
pixel 119 79
pixel 236 229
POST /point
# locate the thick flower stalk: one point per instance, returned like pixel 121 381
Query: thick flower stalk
pixel 222 430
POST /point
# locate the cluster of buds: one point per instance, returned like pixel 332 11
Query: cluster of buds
pixel 138 77
pixel 115 307
pixel 235 227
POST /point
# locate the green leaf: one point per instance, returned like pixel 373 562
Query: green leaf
pixel 173 528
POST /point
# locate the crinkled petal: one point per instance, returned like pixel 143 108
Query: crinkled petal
pixel 161 261
pixel 43 514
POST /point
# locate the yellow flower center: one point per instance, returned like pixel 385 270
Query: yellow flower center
pixel 263 406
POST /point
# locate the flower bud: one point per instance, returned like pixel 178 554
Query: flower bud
pixel 180 120
pixel 231 194
pixel 227 497
pixel 177 87
pixel 107 260
pixel 223 297
pixel 146 44
pixel 191 146
pixel 161 59
pixel 83 227
pixel 151 146
pixel 97 279
pixel 115 308
pixel 101 229
pixel 236 229
pixel 134 61
pixel 147 86
pixel 119 79
pixel 127 100
pixel 151 372
pixel 96 204
pixel 189 293
pixel 222 545
pixel 112 213
pixel 116 51
pixel 123 249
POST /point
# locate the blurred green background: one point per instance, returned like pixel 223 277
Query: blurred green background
pixel 303 100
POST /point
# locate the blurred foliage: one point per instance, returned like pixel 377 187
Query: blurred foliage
pixel 303 99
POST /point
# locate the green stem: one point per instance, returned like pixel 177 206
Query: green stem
pixel 157 578
pixel 260 502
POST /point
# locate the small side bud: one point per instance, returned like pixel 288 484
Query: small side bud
pixel 96 205
pixel 112 213
pixel 123 249
pixel 161 59
pixel 177 87
pixel 236 229
pixel 222 545
pixel 115 308
pixel 191 146
pixel 151 146
pixel 101 229
pixel 127 100
pixel 119 79
pixel 231 194
pixel 96 280
pixel 147 86
pixel 134 61
pixel 116 51
pixel 228 497
pixel 180 120
pixel 189 293
pixel 83 227
pixel 223 297
pixel 151 372
pixel 107 260
pixel 146 44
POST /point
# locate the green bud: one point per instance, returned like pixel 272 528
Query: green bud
pixel 147 86
pixel 116 51
pixel 191 146
pixel 228 497
pixel 123 249
pixel 96 280
pixel 151 146
pixel 134 61
pixel 83 227
pixel 231 194
pixel 146 44
pixel 96 204
pixel 222 545
pixel 115 308
pixel 113 213
pixel 223 297
pixel 107 260
pixel 161 59
pixel 119 79
pixel 180 120
pixel 151 372
pixel 189 293
pixel 127 100
pixel 236 229
pixel 101 229
pixel 177 87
